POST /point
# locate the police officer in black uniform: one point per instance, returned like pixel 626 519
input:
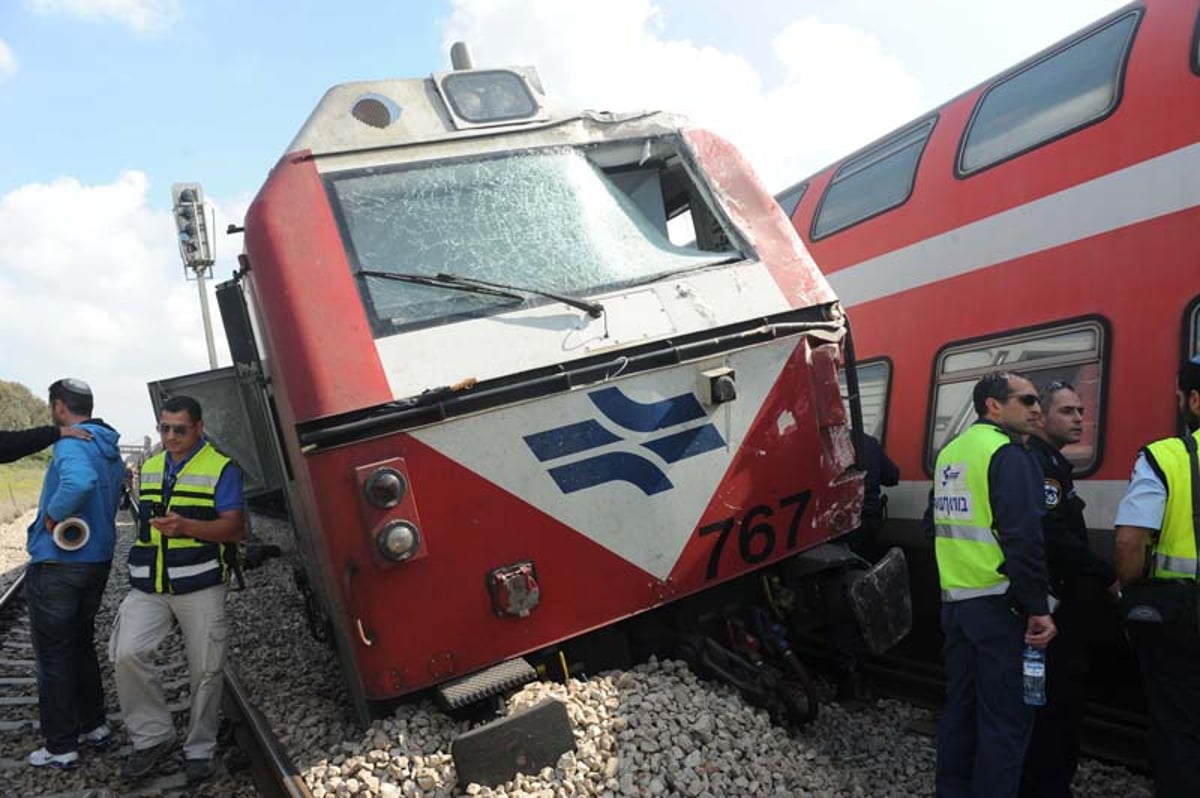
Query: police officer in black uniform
pixel 1078 578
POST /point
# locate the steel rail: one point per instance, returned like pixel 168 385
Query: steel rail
pixel 13 592
pixel 272 770
pixel 1108 735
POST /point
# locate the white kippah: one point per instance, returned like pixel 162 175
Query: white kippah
pixel 77 386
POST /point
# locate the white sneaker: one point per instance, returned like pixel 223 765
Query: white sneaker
pixel 98 737
pixel 42 757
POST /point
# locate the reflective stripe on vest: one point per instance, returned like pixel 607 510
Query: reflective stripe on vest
pixel 1174 553
pixel 159 564
pixel 966 547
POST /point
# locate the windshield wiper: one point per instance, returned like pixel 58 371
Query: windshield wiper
pixel 593 309
pixel 454 281
pixel 425 279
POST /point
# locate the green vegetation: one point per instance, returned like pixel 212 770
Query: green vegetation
pixel 21 482
pixel 20 486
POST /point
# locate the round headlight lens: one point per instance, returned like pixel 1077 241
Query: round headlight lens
pixel 399 540
pixel 385 488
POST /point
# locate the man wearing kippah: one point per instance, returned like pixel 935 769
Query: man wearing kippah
pixel 64 586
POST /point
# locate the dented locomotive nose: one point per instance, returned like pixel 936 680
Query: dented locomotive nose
pixel 529 370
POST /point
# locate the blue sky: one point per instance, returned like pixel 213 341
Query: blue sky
pixel 106 103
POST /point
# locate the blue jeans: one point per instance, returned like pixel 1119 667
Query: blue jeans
pixel 63 599
pixel 986 725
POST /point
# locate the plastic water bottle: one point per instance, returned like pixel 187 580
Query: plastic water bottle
pixel 1034 670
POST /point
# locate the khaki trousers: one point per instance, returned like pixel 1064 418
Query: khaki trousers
pixel 143 621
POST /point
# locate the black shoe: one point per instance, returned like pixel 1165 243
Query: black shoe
pixel 198 769
pixel 142 762
pixel 853 689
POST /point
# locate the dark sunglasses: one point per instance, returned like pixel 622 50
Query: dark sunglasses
pixel 1027 399
pixel 178 429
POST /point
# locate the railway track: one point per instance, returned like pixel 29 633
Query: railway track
pixel 1110 735
pixel 256 747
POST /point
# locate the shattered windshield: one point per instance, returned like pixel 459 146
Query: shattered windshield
pixel 542 219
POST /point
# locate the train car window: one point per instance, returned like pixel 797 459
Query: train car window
pixel 789 199
pixel 879 179
pixel 874 384
pixel 568 220
pixel 1192 328
pixel 1195 58
pixel 1073 353
pixel 1062 92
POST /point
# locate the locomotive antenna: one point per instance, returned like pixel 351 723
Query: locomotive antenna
pixel 460 56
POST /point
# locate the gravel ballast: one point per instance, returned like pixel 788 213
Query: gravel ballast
pixel 654 730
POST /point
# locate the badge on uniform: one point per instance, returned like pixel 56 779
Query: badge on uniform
pixel 1053 493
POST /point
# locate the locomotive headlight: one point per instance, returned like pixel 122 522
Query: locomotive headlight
pixel 385 488
pixel 492 95
pixel 398 541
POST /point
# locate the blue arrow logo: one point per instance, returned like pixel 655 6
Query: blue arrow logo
pixel 559 442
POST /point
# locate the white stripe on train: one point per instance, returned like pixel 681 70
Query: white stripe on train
pixel 1156 187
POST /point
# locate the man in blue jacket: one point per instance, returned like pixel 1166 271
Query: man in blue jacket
pixel 63 588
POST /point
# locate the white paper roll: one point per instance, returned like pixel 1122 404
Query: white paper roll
pixel 71 534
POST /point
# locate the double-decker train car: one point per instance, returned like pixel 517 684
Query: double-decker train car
pixel 531 371
pixel 1045 222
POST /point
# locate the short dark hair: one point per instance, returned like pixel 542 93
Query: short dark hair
pixel 993 386
pixel 181 403
pixel 1189 375
pixel 1046 392
pixel 75 394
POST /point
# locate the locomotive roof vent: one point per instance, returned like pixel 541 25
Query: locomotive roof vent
pixel 375 110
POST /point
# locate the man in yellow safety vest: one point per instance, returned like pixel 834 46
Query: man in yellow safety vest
pixel 1156 538
pixel 987 506
pixel 191 502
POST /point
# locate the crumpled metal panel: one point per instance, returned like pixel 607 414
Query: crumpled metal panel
pixel 882 602
pixel 759 217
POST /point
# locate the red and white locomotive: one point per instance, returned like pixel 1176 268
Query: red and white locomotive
pixel 531 370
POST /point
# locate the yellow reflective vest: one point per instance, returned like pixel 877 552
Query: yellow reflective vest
pixel 967 547
pixel 160 564
pixel 1173 555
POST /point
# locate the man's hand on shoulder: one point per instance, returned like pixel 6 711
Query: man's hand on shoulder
pixel 74 432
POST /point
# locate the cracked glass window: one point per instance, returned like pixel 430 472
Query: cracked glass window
pixel 550 220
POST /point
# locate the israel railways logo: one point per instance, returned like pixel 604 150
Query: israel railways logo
pixel 950 474
pixel 612 466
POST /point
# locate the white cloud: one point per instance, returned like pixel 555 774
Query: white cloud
pixel 140 15
pixel 91 285
pixel 839 90
pixel 8 61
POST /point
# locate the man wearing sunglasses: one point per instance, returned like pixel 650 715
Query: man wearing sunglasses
pixel 987 509
pixel 1078 578
pixel 190 520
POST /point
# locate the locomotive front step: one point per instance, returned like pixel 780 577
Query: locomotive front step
pixel 486 683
